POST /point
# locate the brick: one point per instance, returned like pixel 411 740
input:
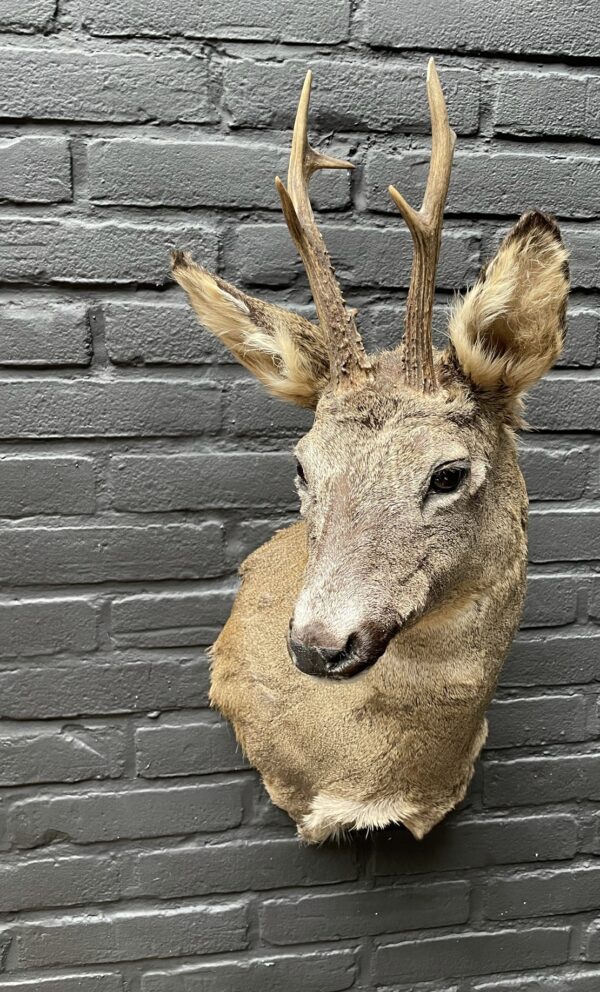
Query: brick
pixel 594 606
pixel 564 535
pixel 186 746
pixel 537 720
pixel 357 96
pixel 546 104
pixel 555 473
pixel 158 333
pixel 553 660
pixel 199 173
pixel 578 981
pixel 46 485
pixel 311 22
pixel 514 28
pixel 565 402
pixel 251 534
pixel 98 982
pixel 534 781
pixel 99 408
pixel 131 934
pixel 329 971
pixel 73 251
pixel 38 753
pixel 551 600
pixel 46 626
pixel 250 410
pixel 544 893
pixel 478 843
pixel 362 255
pixel 592 942
pixel 57 881
pixel 44 335
pixel 81 85
pixel 169 620
pixel 195 482
pixel 582 340
pixel 89 687
pixel 471 954
pixel 27 15
pixel 105 815
pixel 53 555
pixel 495 183
pixel 234 867
pixel 35 170
pixel 336 916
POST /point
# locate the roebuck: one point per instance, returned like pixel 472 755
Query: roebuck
pixel 409 564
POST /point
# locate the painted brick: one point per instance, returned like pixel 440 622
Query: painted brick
pixel 46 485
pixel 115 408
pixel 194 482
pixel 495 183
pixel 90 687
pixel 362 255
pixel 44 334
pixel 570 981
pixel 551 600
pixel 74 251
pixel 54 555
pixel 555 473
pixel 61 753
pixel 94 815
pixel 128 935
pixel 477 843
pixel 59 881
pixel 564 535
pixel 545 893
pixel 514 28
pixel 26 15
pixel 339 915
pixel 35 170
pixel 82 982
pixel 356 96
pixel 186 746
pixel 46 626
pixel 565 402
pixel 537 720
pixel 139 333
pixel 471 954
pixel 547 104
pixel 72 84
pixel 310 22
pixel 328 971
pixel 163 620
pixel 199 173
pixel 234 867
pixel 534 781
pixel 558 659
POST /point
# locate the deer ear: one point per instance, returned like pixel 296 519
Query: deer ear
pixel 285 352
pixel 509 329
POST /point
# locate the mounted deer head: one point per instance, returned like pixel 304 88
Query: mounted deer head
pixel 413 549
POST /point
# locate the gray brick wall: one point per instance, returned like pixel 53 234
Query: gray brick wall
pixel 139 465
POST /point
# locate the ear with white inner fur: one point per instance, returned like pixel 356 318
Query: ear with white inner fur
pixel 285 352
pixel 509 329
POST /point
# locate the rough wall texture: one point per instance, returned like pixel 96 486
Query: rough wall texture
pixel 138 466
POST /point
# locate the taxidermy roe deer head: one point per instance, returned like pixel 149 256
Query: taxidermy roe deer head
pixel 365 643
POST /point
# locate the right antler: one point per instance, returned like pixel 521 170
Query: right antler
pixel 347 355
pixel 426 229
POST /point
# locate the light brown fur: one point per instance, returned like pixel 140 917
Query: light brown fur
pixel 398 742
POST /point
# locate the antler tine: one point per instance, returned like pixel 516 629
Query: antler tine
pixel 347 354
pixel 425 226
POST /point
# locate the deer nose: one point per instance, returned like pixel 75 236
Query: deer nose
pixel 315 652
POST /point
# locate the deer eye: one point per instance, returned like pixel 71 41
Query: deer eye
pixel 300 474
pixel 448 478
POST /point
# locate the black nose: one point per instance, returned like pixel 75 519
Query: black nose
pixel 313 659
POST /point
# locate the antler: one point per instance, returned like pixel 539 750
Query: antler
pixel 347 355
pixel 426 229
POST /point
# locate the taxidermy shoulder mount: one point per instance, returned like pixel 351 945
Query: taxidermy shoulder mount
pixel 366 641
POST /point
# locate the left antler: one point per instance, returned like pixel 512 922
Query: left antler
pixel 426 229
pixel 347 354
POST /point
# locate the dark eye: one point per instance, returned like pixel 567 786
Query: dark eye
pixel 448 478
pixel 300 474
